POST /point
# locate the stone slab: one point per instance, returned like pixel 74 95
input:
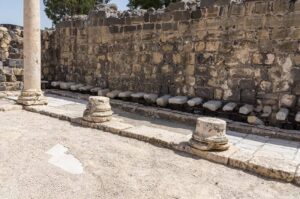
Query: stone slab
pixel 212 105
pixel 195 101
pixel 178 100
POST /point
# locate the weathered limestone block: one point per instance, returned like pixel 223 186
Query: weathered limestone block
pixel 55 84
pixel 125 94
pixel 95 89
pixel 229 106
pixel 282 114
pixel 163 101
pixel 210 134
pixel 246 109
pixel 212 105
pixel 195 101
pixel 66 85
pixel 98 110
pixel 76 87
pixel 103 92
pixel 297 118
pixel 86 88
pixel 267 111
pixel 137 95
pixel 150 98
pixel 113 94
pixel 178 100
pixel 254 120
pixel 287 101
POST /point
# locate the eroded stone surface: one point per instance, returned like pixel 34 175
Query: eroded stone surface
pixel 178 100
pixel 282 114
pixel 98 110
pixel 163 101
pixel 195 101
pixel 212 105
pixel 246 109
pixel 151 98
pixel 113 94
pixel 229 106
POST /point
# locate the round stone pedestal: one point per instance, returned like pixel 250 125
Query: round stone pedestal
pixel 32 97
pixel 98 110
pixel 210 134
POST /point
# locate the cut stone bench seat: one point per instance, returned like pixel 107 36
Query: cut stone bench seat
pixel 297 118
pixel 95 89
pixel 282 114
pixel 138 95
pixel 178 100
pixel 212 105
pixel 125 94
pixel 195 101
pixel 150 98
pixel 55 84
pixel 76 87
pixel 113 94
pixel 86 88
pixel 163 101
pixel 103 92
pixel 246 109
pixel 66 85
pixel 229 107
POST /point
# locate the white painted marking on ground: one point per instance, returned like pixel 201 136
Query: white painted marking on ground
pixel 64 161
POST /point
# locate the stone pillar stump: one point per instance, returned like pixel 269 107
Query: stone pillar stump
pixel 98 110
pixel 210 134
pixel 32 93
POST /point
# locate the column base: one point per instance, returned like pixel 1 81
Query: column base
pixel 32 97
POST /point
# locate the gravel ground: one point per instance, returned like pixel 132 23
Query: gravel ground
pixel 114 167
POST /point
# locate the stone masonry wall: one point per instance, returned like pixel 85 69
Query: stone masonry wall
pixel 241 51
pixel 11 57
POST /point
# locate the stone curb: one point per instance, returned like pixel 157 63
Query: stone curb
pixel 173 115
pixel 10 107
pixel 228 158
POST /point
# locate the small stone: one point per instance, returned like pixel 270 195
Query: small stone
pixel 113 94
pixel 210 134
pixel 246 109
pixel 297 118
pixel 254 120
pixel 76 87
pixel 137 95
pixel 267 111
pixel 287 101
pixel 195 101
pixel 103 92
pixel 151 98
pixel 229 106
pixel 98 110
pixel 282 114
pixel 178 100
pixel 66 85
pixel 125 94
pixel 212 105
pixel 163 101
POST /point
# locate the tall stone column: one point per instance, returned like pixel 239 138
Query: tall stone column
pixel 32 93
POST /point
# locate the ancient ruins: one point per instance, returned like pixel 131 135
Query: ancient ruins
pixel 229 68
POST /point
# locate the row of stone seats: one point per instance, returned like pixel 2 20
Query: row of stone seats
pixel 183 102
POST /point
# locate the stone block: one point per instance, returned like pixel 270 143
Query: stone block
pixel 86 88
pixel 138 95
pixel 76 87
pixel 248 96
pixel 212 105
pixel 103 92
pixel 55 84
pixel 150 98
pixel 178 100
pixel 246 109
pixel 205 92
pixel 95 89
pixel 195 101
pixel 267 111
pixel 163 101
pixel 287 101
pixel 66 85
pixel 98 110
pixel 282 114
pixel 15 63
pixel 229 107
pixel 247 84
pixel 125 94
pixel 113 94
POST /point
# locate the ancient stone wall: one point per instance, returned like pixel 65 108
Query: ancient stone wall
pixel 11 57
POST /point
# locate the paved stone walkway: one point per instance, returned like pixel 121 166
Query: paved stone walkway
pixel 113 166
pixel 275 158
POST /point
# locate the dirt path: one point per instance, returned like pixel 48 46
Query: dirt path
pixel 114 167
